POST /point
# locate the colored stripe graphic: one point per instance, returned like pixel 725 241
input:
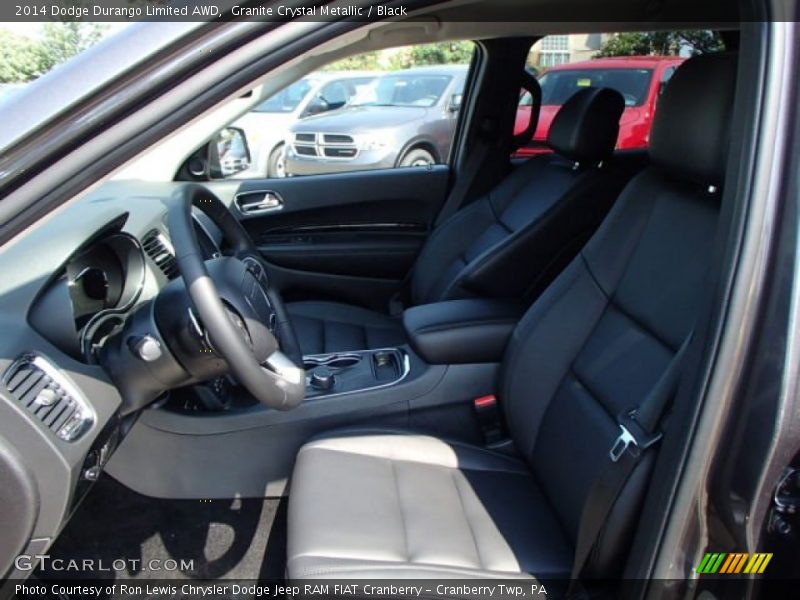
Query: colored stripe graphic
pixel 726 566
pixel 711 562
pixel 758 563
pixel 740 563
pixel 724 563
pixel 704 563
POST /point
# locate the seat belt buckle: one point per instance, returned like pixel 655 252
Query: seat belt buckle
pixel 632 437
pixel 487 412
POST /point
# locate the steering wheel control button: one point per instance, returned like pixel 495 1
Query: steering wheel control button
pixel 146 348
pixel 322 379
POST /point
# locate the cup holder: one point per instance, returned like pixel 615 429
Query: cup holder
pixel 333 361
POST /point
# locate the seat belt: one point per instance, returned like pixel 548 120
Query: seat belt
pixel 472 165
pixel 638 432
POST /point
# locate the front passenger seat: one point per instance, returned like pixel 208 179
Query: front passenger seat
pixel 510 241
pixel 596 343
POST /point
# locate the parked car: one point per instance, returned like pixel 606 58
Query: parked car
pixel 640 80
pixel 267 125
pixel 406 118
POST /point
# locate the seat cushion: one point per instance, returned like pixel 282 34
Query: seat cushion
pixel 323 327
pixel 398 505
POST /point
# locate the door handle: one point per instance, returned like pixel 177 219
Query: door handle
pixel 258 202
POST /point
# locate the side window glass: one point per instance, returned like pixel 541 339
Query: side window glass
pixel 334 95
pixel 665 77
pixel 394 108
pixel 632 63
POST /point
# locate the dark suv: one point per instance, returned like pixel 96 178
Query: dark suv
pixel 406 118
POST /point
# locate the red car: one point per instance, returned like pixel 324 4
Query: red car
pixel 639 79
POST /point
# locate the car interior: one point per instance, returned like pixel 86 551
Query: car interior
pixel 475 369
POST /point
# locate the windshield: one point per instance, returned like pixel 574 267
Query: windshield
pixel 286 100
pixel 559 86
pixel 403 90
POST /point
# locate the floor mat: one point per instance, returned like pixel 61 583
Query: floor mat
pixel 207 539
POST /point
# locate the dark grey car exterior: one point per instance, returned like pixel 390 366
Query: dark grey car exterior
pixel 404 131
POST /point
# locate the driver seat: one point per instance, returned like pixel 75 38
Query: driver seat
pixel 388 504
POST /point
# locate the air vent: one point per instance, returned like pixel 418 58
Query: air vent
pixel 41 389
pixel 159 249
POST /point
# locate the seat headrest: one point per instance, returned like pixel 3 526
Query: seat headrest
pixel 691 128
pixel 585 129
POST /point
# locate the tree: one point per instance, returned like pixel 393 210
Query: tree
pixel 661 43
pixel 20 61
pixel 62 41
pixel 444 53
pixel 26 58
pixel 369 61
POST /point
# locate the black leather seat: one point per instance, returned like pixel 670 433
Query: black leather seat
pixel 388 504
pixel 508 243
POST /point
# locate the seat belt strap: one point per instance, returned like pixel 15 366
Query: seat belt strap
pixel 638 432
pixel 454 201
pixel 466 178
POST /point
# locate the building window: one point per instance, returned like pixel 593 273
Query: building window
pixel 554 51
pixel 551 59
pixel 554 43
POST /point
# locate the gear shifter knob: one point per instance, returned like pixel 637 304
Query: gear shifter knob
pixel 322 379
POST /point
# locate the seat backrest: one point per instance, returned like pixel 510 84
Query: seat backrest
pixel 598 339
pixel 517 236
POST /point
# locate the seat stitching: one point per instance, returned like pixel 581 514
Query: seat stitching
pixel 639 237
pixel 400 506
pixel 381 565
pixel 519 471
pixel 593 277
pixel 466 518
pixel 614 302
pixel 592 394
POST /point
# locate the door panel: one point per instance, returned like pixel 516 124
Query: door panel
pixel 351 236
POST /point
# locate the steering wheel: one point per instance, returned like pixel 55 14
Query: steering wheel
pixel 252 333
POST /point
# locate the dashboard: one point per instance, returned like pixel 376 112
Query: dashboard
pixel 65 286
pixel 103 280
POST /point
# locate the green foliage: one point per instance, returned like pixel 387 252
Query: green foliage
pixel 62 41
pixel 369 61
pixel 662 43
pixel 26 58
pixel 445 53
pixel 20 60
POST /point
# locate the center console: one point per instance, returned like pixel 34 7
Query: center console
pixel 359 371
pixel 466 331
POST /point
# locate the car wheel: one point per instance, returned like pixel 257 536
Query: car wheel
pixel 417 158
pixel 276 166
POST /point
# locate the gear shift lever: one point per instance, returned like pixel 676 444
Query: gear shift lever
pixel 322 379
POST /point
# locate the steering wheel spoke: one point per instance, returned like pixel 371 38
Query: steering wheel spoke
pixel 241 314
